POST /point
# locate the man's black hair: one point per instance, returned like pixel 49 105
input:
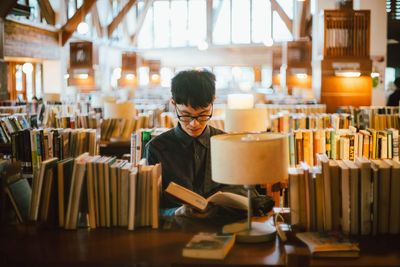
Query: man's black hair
pixel 193 88
pixel 397 82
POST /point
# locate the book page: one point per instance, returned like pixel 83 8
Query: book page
pixel 228 199
pixel 186 196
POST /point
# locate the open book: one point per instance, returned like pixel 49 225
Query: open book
pixel 226 199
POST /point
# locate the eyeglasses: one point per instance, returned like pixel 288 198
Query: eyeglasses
pixel 187 118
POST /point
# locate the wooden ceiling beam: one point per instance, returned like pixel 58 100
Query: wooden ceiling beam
pixel 47 11
pixel 141 19
pixel 117 20
pixel 68 29
pixel 96 21
pixel 288 22
pixel 6 6
pixel 303 18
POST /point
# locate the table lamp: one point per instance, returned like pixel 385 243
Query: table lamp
pixel 245 120
pixel 250 159
pixel 241 116
pixel 123 110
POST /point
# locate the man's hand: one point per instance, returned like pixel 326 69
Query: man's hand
pixel 190 212
pixel 262 205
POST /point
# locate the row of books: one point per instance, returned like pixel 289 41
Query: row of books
pixel 77 121
pixel 168 120
pixel 377 117
pixel 306 109
pixel 50 113
pixel 354 197
pixel 139 139
pixel 10 125
pixel 109 192
pixel 273 109
pixel 32 146
pixel 286 122
pixel 121 129
pixel 12 109
pixel 345 144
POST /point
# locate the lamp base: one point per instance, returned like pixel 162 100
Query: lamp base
pixel 259 232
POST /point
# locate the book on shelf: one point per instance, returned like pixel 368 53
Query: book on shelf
pixel 365 194
pixel 209 246
pixel 18 190
pixel 226 199
pixel 75 193
pixel 64 173
pixel 329 245
pixel 394 218
pixel 383 195
pixel 46 170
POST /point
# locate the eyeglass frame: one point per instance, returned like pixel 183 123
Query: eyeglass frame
pixel 194 117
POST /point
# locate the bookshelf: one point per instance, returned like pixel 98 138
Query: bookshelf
pixel 345 48
pixel 114 148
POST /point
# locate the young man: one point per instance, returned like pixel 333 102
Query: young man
pixel 394 97
pixel 184 151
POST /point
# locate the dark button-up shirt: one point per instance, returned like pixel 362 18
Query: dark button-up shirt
pixel 185 160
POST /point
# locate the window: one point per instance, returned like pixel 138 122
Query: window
pixel 19 83
pixel 71 8
pixel 222 22
pixel 261 21
pixel 177 23
pixel 223 76
pixel 266 76
pixel 240 21
pixel 161 23
pixel 26 80
pixel 145 39
pixel 243 77
pixel 179 16
pixel 35 11
pixel 38 80
pixel 143 76
pixel 166 76
pixel 287 6
pixel 197 22
pixel 280 31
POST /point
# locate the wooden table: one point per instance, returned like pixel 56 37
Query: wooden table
pixel 35 246
pixel 24 245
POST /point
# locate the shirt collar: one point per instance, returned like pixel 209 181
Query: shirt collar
pixel 203 139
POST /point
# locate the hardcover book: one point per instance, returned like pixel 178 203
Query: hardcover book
pixel 329 245
pixel 209 246
pixel 226 199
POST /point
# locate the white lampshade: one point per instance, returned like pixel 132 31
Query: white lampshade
pixel 245 120
pixel 249 159
pixel 124 110
pixel 240 101
pixel 51 97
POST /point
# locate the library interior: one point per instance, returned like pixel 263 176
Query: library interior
pixel 199 133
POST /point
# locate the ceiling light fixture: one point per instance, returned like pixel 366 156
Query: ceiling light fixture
pixel 27 68
pixel 130 76
pixel 269 42
pixel 347 73
pixel 202 46
pixel 83 28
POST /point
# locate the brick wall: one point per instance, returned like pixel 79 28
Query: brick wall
pixel 27 41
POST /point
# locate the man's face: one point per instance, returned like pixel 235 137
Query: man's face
pixel 193 127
